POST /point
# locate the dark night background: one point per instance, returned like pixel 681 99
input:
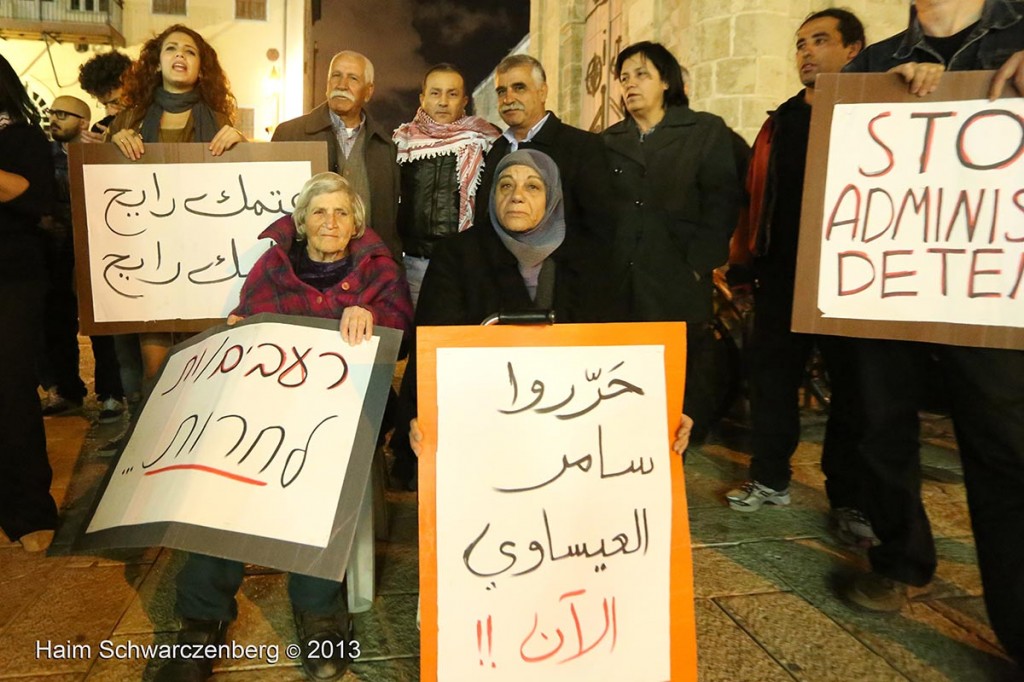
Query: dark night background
pixel 403 38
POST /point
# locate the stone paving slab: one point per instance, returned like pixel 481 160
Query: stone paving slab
pixel 797 635
pixel 917 642
pixel 726 653
pixel 389 629
pixel 725 526
pixel 78 607
pixel 23 577
pixel 717 573
pixel 152 609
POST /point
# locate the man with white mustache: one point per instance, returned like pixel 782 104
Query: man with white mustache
pixel 358 148
pixel 521 86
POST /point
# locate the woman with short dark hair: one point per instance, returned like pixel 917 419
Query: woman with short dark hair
pixel 678 198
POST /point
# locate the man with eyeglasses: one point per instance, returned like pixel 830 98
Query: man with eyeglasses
pixel 68 118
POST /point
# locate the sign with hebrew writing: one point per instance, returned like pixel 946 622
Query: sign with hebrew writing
pixel 255 445
pixel 554 536
pixel 165 243
pixel 913 214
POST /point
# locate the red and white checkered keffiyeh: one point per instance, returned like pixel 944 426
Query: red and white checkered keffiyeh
pixel 469 138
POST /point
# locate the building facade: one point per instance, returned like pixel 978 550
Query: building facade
pixel 740 53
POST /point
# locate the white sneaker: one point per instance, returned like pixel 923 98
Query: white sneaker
pixel 111 410
pixel 751 496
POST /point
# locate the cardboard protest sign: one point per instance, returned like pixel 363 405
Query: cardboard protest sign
pixel 255 445
pixel 165 243
pixel 913 215
pixel 554 541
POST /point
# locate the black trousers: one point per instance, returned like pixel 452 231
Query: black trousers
pixel 207 587
pixel 777 361
pixel 25 475
pixel 986 391
pixel 108 369
pixel 59 366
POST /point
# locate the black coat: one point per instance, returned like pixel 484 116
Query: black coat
pixel 472 275
pixel 677 200
pixel 381 166
pixel 583 165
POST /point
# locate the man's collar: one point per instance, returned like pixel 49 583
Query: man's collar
pixel 997 14
pixel 530 134
pixel 338 123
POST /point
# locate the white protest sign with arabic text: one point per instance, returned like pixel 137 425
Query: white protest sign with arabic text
pixel 175 241
pixel 554 511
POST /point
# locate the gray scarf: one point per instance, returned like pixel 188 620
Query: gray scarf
pixel 532 248
pixel 204 125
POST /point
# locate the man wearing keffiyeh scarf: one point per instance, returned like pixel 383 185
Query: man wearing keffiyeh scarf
pixel 441 152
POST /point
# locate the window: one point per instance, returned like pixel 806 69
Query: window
pixel 251 9
pixel 90 5
pixel 169 7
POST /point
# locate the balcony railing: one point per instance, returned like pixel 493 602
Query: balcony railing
pixel 80 21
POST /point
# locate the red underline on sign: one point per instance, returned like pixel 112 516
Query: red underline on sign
pixel 209 470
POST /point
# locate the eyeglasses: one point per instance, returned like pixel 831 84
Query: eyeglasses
pixel 61 115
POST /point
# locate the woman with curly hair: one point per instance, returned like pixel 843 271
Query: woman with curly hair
pixel 175 92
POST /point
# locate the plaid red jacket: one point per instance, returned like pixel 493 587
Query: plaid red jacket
pixel 375 283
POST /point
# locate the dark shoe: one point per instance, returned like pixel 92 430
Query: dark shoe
pixel 326 643
pixel 875 592
pixel 193 633
pixel 404 471
pixel 852 528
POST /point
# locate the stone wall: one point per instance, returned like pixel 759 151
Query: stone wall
pixel 740 53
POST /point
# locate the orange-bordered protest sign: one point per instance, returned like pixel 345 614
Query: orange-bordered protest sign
pixel 554 537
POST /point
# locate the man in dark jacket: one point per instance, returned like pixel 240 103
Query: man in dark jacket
pixel 825 43
pixel 59 365
pixel 357 148
pixel 441 154
pixel 521 86
pixel 985 386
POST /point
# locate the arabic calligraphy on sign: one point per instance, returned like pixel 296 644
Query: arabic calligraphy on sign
pixel 176 241
pixel 554 496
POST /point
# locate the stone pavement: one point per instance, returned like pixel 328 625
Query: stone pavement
pixel 765 604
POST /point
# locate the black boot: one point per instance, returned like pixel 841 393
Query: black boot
pixel 326 642
pixel 186 668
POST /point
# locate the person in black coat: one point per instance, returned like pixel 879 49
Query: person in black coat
pixel 527 259
pixel 27 511
pixel 678 197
